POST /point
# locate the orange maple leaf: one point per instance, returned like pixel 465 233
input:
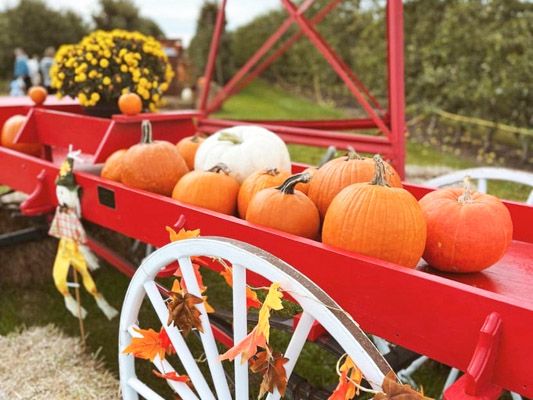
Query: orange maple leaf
pixel 251 297
pixel 171 376
pixel 165 342
pixel 393 390
pixel 182 234
pixel 355 376
pixel 340 392
pixel 197 274
pixel 272 302
pixel 247 347
pixel 146 347
pixel 271 365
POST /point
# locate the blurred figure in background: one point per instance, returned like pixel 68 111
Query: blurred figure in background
pixel 33 69
pixel 21 67
pixel 16 87
pixel 46 64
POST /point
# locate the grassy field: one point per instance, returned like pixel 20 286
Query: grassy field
pixel 41 304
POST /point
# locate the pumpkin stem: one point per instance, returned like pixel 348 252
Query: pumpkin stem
pixel 467 194
pixel 220 167
pixel 271 171
pixel 230 137
pixel 352 154
pixel 197 136
pixel 287 187
pixel 146 128
pixel 380 172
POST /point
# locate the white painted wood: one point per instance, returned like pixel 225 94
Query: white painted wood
pixel 482 185
pixel 382 345
pixel 143 390
pixel 175 336
pixel 452 377
pixel 207 337
pixel 486 173
pixel 240 329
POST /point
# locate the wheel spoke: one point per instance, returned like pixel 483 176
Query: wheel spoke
pixel 182 350
pixel 208 339
pixel 143 390
pixel 240 329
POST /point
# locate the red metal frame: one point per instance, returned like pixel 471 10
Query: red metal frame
pixel 390 123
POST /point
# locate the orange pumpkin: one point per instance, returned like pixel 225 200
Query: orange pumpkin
pixel 130 104
pixel 188 146
pixel 37 94
pixel 340 172
pixel 113 166
pixel 256 182
pixel 286 209
pixel 155 166
pixel 304 187
pixel 377 220
pixel 9 132
pixel 467 231
pixel 214 189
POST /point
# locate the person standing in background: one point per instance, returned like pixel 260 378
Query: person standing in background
pixel 33 69
pixel 21 67
pixel 46 64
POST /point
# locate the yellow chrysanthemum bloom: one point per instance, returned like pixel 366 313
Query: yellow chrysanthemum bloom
pixel 104 63
pixel 106 81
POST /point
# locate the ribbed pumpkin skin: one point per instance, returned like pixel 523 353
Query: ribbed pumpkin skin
pixel 304 187
pixel 188 147
pixel 465 237
pixel 337 174
pixel 9 132
pixel 377 221
pixel 256 182
pixel 211 190
pixel 113 166
pixel 155 167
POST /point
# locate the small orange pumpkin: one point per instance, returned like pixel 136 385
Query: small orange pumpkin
pixel 377 220
pixel 256 182
pixel 113 166
pixel 304 187
pixel 188 146
pixel 286 209
pixel 340 172
pixel 37 94
pixel 130 104
pixel 9 132
pixel 467 231
pixel 155 166
pixel 213 189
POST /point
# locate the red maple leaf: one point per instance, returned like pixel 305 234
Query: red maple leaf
pixel 171 376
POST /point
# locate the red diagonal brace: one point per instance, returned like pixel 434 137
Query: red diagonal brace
pixel 39 201
pixel 477 382
pixel 333 59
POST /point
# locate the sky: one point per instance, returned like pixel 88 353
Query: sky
pixel 177 18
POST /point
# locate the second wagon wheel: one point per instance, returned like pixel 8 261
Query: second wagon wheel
pixel 316 305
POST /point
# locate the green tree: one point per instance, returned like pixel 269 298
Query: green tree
pixel 123 14
pixel 199 47
pixel 33 26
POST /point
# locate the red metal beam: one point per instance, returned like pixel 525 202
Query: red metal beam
pixel 325 124
pixel 335 62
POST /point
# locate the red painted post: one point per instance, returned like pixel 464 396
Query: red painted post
pixel 395 62
pixel 213 50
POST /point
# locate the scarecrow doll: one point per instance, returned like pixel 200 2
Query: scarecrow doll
pixel 72 251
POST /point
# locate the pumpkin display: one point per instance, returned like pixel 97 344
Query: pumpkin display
pixel 377 220
pixel 155 166
pixel 467 231
pixel 113 166
pixel 286 209
pixel 340 172
pixel 37 94
pixel 130 104
pixel 254 183
pixel 213 189
pixel 304 187
pixel 188 147
pixel 9 132
pixel 244 149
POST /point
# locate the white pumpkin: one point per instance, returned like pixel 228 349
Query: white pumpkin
pixel 244 149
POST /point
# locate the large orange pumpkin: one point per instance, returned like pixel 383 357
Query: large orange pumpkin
pixel 113 166
pixel 155 166
pixel 285 209
pixel 130 104
pixel 304 187
pixel 377 220
pixel 340 172
pixel 467 231
pixel 10 130
pixel 37 94
pixel 188 146
pixel 256 182
pixel 214 189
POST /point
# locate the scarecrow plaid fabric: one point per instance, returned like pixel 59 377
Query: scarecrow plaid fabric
pixel 66 224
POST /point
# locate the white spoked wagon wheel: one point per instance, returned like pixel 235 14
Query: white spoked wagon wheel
pixel 316 305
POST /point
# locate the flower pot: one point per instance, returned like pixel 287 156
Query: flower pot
pixel 102 110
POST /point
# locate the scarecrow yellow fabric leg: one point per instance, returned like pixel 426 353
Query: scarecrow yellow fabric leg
pixel 60 273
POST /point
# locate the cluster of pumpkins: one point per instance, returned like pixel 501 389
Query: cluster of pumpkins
pixel 354 203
